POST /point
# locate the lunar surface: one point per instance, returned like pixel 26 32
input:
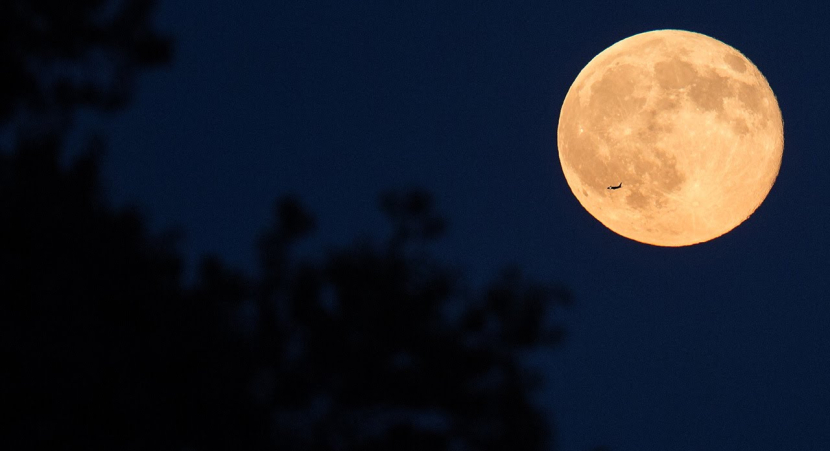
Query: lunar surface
pixel 686 124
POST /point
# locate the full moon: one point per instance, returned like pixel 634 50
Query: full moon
pixel 670 138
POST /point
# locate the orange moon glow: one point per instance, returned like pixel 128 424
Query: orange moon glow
pixel 685 123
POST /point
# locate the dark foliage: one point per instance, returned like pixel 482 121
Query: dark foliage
pixel 374 347
pixel 378 346
pixel 59 55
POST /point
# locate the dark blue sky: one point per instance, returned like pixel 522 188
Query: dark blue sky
pixel 722 345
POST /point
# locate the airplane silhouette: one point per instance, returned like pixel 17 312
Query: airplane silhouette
pixel 615 187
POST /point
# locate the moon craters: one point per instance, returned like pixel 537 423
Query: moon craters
pixel 735 62
pixel 686 123
pixel 674 73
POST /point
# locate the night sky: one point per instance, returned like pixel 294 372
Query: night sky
pixel 722 345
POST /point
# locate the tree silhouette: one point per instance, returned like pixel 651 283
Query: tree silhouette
pixel 381 348
pixel 60 55
pixel 373 346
